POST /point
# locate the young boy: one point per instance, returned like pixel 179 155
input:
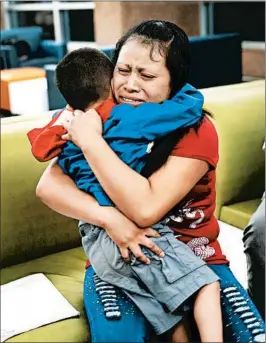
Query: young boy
pixel 162 288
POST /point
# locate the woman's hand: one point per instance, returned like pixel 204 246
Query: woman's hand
pixel 83 127
pixel 128 237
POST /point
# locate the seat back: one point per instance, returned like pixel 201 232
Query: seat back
pixel 29 229
pixel 32 35
pixel 216 60
pixel 239 117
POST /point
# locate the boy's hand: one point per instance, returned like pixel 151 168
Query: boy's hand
pixel 82 127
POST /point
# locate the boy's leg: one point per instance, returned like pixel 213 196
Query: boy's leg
pixel 131 327
pixel 208 313
pixel 241 319
pixel 180 333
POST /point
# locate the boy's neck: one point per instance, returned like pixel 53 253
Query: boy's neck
pixel 96 104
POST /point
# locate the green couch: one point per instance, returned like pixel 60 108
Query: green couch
pixel 36 240
pixel 239 117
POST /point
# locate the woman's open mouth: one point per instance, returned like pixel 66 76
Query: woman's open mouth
pixel 131 101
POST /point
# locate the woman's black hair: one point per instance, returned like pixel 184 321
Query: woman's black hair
pixel 172 43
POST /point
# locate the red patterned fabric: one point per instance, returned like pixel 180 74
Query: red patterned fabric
pixel 193 219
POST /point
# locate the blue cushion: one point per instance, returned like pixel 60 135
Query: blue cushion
pixel 31 35
pixel 216 60
pixel 108 50
pixel 213 37
pixel 56 100
pixel 39 62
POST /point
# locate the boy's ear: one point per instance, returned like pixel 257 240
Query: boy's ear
pixel 112 84
pixel 69 108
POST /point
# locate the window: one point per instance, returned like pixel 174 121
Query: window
pixel 26 2
pixel 38 18
pixel 60 20
pixel 81 25
pixel 247 18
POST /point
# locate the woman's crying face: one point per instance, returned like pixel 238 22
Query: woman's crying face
pixel 140 76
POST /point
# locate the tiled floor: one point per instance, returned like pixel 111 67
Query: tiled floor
pixel 230 239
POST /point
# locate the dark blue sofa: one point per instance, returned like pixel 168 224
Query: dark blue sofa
pixel 24 47
pixel 216 61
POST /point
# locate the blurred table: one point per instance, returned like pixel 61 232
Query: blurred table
pixel 24 91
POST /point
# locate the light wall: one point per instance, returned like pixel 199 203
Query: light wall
pixel 253 59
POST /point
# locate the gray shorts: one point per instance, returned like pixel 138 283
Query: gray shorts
pixel 160 290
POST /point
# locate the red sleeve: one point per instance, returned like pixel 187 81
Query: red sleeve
pixel 46 143
pixel 201 144
pixel 105 108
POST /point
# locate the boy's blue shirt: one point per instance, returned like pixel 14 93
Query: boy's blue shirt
pixel 128 131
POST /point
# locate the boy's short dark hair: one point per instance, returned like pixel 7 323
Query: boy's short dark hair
pixel 83 77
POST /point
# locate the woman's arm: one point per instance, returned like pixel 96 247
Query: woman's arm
pixel 60 193
pixel 145 201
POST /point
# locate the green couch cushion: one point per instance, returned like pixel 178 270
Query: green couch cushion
pixel 66 271
pixel 29 229
pixel 239 117
pixel 39 120
pixel 239 214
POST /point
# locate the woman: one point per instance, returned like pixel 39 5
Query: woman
pixel 152 63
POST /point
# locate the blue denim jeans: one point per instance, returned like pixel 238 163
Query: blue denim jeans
pixel 131 326
pixel 242 321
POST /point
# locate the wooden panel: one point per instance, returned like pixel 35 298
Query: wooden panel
pixel 184 14
pixel 5 99
pixel 113 19
pixel 2 21
pixel 253 63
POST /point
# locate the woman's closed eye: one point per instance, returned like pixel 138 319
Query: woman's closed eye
pixel 123 71
pixel 147 76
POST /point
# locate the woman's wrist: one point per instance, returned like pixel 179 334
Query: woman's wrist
pixel 90 142
pixel 108 215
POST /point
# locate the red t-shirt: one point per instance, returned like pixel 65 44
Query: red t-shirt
pixel 193 219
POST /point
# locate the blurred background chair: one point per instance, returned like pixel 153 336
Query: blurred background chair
pixel 216 60
pixel 24 47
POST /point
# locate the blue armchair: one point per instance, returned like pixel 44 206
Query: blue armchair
pixel 216 60
pixel 24 47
